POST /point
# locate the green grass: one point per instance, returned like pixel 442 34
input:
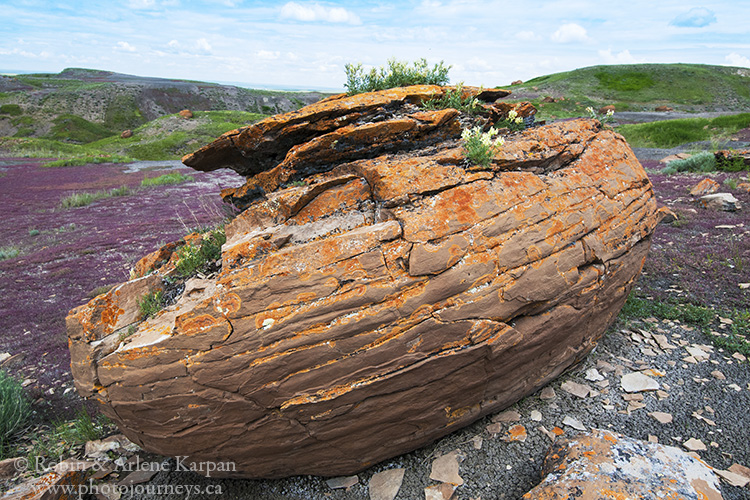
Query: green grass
pixel 11 109
pixel 72 128
pixel 737 339
pixel 671 133
pixel 47 444
pixel 453 99
pixel 166 179
pixel 152 141
pixel 151 303
pixel 9 252
pixel 197 258
pixel 15 410
pixel 82 199
pixel 639 87
pixel 396 74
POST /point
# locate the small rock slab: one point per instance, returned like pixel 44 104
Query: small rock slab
pixel 343 482
pixel 445 469
pixel 385 485
pixel 602 464
pixel 638 382
pixel 720 201
pixel 704 187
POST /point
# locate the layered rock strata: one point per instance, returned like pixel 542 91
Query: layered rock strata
pixel 377 292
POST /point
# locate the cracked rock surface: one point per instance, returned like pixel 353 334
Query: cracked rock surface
pixel 377 292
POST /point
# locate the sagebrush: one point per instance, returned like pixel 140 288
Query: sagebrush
pixel 396 74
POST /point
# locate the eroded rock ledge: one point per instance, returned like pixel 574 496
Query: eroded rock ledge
pixel 377 292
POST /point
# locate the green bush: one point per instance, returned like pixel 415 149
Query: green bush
pixel 10 109
pixel 72 128
pixel 196 258
pixel 700 162
pixel 9 252
pixel 453 99
pixel 173 178
pixel 15 409
pixel 481 147
pixel 397 74
pixel 151 303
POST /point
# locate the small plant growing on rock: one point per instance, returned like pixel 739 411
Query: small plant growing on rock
pixel 453 98
pixel 151 303
pixel 197 258
pixel 480 147
pixel 513 122
pixel 397 74
pixel 603 119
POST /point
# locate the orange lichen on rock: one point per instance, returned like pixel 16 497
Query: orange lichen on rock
pixel 374 279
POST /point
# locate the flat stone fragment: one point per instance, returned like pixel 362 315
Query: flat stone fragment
pixel 693 444
pixel 385 485
pixel 593 375
pixel 547 394
pixel 601 464
pixel 445 469
pixel 443 491
pixel 507 416
pixel 342 482
pixel 638 382
pixel 661 417
pixel 576 389
pixel 733 478
pixel 574 423
pixel 536 415
pixel 516 433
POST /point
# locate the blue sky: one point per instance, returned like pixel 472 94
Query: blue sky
pixel 302 43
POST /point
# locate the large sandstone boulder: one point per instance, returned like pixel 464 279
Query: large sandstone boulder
pixel 377 292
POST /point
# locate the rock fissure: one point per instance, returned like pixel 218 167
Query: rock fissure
pixel 389 286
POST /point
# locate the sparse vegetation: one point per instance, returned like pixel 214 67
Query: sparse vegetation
pixel 15 410
pixel 10 109
pixel 9 252
pixel 83 199
pixel 198 258
pixel 151 303
pixel 166 179
pixel 453 98
pixel 699 162
pixel 512 122
pixel 396 74
pixel 671 133
pixel 480 147
pixel 63 437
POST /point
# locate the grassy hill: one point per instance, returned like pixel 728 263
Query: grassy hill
pixel 165 138
pixel 83 105
pixel 639 87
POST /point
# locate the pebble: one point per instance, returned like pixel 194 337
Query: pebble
pixel 638 382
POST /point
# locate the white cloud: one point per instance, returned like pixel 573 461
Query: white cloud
pixel 317 12
pixel 735 59
pixel 174 44
pixel 202 45
pixel 125 46
pixel 142 4
pixel 624 57
pixel 527 36
pixel 697 17
pixel 267 55
pixel 571 32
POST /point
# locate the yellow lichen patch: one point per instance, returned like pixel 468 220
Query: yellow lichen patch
pixel 191 325
pixel 517 433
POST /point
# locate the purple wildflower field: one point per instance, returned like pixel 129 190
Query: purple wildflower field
pixel 704 256
pixel 66 254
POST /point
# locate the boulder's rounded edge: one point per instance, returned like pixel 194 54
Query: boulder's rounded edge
pixel 405 294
